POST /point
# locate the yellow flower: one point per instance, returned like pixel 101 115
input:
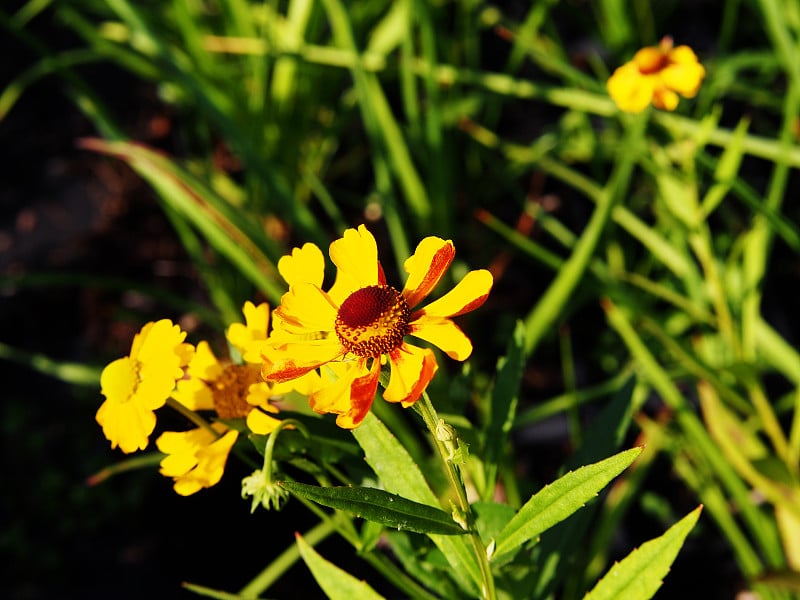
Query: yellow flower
pixel 233 391
pixel 138 384
pixel 656 74
pixel 196 458
pixel 362 322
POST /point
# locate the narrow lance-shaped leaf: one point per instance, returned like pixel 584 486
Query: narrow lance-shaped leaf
pixel 336 583
pixel 639 575
pixel 504 406
pixel 399 473
pixel 379 506
pixel 560 499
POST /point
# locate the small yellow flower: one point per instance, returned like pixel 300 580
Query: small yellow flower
pixel 140 383
pixel 196 458
pixel 233 391
pixel 656 74
pixel 362 322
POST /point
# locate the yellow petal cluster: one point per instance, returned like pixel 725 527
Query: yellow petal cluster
pixel 138 384
pixel 196 458
pixel 657 75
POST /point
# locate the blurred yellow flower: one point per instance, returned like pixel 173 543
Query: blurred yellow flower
pixel 196 458
pixel 140 383
pixel 232 391
pixel 361 322
pixel 656 74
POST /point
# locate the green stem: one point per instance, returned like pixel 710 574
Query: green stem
pixel 425 408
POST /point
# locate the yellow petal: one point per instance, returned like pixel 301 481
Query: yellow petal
pixel 426 267
pixel 412 370
pixel 196 458
pixel 665 99
pixel 204 364
pixel 468 295
pixel 683 78
pixel 629 89
pixel 194 394
pixel 306 309
pixel 159 348
pixel 119 380
pixel 255 328
pixel 303 265
pixel 350 396
pixel 443 333
pixel 292 360
pixel 126 424
pixel 355 255
pixel 261 423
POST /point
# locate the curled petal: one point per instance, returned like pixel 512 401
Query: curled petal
pixel 292 360
pixel 426 267
pixel 355 255
pixel 306 309
pixel 412 370
pixel 444 334
pixel 350 396
pixel 303 265
pixel 468 295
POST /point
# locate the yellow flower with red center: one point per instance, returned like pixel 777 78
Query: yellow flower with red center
pixel 138 384
pixel 656 74
pixel 362 322
pixel 196 458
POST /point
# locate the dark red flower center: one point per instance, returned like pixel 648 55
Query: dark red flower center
pixel 373 321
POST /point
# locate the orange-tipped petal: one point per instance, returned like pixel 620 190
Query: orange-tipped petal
pixel 412 370
pixel 303 265
pixel 292 360
pixel 468 295
pixel 350 396
pixel 444 334
pixel 426 267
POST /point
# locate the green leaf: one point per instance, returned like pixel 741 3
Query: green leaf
pixel 336 583
pixel 503 406
pixel 639 575
pixel 379 506
pixel 560 499
pixel 398 473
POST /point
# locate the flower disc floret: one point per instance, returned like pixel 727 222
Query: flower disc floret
pixel 373 321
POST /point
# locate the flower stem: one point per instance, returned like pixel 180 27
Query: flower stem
pixel 425 407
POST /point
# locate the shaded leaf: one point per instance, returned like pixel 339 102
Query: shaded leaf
pixel 336 583
pixel 379 506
